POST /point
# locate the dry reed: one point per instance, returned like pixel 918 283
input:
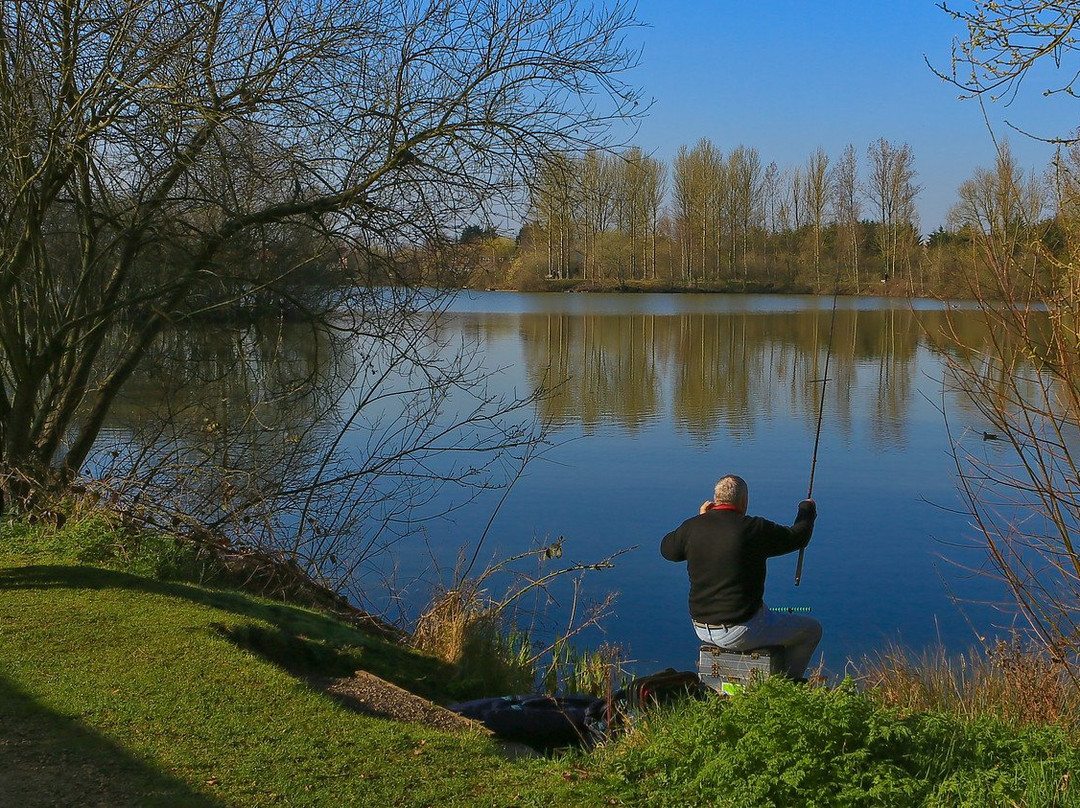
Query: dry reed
pixel 1017 683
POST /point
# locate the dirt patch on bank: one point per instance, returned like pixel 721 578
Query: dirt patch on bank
pixel 366 693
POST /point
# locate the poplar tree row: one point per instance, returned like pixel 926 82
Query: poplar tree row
pixel 713 217
pixel 599 215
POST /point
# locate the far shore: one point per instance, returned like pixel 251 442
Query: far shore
pixel 733 286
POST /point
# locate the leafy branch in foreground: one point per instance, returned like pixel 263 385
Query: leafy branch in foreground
pixel 1023 491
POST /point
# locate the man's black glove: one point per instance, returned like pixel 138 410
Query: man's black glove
pixel 807 510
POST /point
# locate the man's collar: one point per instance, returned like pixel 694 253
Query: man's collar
pixel 726 506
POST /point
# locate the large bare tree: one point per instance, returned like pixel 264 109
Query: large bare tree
pixel 641 193
pixel 999 209
pixel 699 188
pixel 746 206
pixel 145 145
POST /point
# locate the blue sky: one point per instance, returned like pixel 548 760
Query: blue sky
pixel 786 77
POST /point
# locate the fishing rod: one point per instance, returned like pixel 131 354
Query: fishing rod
pixel 821 413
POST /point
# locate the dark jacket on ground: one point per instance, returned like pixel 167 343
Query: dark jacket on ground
pixel 725 553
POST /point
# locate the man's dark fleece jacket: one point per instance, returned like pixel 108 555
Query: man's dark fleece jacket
pixel 725 553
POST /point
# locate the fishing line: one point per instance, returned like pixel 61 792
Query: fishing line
pixel 820 415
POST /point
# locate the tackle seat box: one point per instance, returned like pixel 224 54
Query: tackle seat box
pixel 717 666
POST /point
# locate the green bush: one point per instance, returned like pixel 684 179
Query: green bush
pixel 781 744
pixel 97 539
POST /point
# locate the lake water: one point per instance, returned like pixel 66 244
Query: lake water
pixel 653 398
pixel 659 395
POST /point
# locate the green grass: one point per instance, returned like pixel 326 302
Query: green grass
pixel 155 693
pixel 122 689
pixel 782 744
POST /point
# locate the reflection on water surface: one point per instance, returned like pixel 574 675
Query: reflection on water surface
pixel 652 398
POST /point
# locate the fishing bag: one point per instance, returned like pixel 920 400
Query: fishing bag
pixel 552 722
pixel 543 722
pixel 662 687
pixel 607 717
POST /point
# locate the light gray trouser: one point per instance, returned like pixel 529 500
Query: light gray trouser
pixel 798 634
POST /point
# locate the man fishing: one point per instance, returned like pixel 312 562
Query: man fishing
pixel 725 553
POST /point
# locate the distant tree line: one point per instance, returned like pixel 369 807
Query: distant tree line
pixel 733 221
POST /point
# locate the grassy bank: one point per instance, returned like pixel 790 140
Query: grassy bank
pixel 119 688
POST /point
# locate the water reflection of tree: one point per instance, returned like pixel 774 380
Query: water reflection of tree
pixel 894 336
pixel 728 372
pixel 604 369
pixel 218 417
pixel 324 444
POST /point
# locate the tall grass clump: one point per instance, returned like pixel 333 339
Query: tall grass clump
pixel 478 632
pixel 464 627
pixel 1016 683
pixel 782 744
pixel 492 657
pixel 598 671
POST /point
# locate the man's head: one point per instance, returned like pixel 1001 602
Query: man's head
pixel 731 490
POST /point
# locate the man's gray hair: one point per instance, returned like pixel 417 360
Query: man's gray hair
pixel 731 490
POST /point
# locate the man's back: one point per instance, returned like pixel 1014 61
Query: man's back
pixel 725 553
